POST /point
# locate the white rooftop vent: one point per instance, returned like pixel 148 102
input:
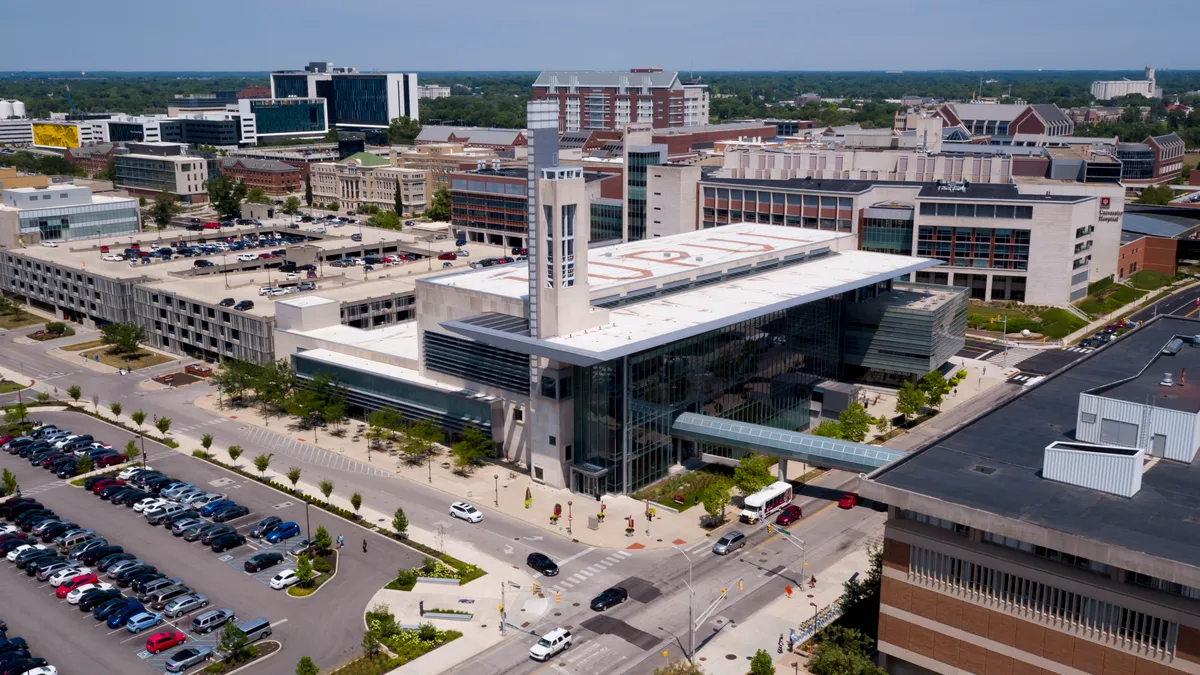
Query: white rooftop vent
pixel 1167 381
pixel 1114 469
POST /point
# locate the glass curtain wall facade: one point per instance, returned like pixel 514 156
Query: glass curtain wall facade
pixel 287 117
pixel 81 222
pixel 980 247
pixel 761 371
pixel 886 235
pixel 606 220
pixel 639 163
pixel 360 99
pixel 291 85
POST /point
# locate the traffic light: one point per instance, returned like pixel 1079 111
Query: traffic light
pixel 723 591
pixel 768 528
pixel 501 608
pixel 557 596
pixel 740 585
pixel 536 588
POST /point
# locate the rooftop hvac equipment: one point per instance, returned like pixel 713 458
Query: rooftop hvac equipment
pixel 1173 347
pixel 1167 381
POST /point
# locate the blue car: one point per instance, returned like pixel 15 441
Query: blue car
pixel 282 531
pixel 140 622
pixel 212 508
pixel 122 616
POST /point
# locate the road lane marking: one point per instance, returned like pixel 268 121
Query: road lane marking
pixel 577 555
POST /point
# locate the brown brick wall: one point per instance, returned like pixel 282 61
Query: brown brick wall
pixel 1148 253
pixel 895 554
pixel 1004 629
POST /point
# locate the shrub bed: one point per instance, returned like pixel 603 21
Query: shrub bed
pixel 681 491
pixel 406 644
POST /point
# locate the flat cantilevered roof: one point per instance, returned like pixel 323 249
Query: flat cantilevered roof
pixel 994 463
pixel 645 325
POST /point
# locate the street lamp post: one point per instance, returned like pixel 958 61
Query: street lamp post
pixel 429 462
pixel 569 517
pixel 307 523
pixel 691 607
pixel 496 502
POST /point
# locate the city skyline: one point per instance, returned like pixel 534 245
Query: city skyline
pixel 250 37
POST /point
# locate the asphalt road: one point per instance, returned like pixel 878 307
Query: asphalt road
pixel 326 626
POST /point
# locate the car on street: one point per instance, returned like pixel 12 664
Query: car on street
pixel 849 500
pixel 542 563
pixel 466 512
pixel 284 579
pixel 160 642
pixel 261 561
pixel 789 514
pixel 729 542
pixel 282 531
pixel 263 526
pixel 550 644
pixel 609 598
pixel 185 604
pixel 140 622
pixel 449 255
pixel 187 657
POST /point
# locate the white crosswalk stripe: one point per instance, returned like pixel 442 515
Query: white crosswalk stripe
pixel 1080 350
pixel 577 578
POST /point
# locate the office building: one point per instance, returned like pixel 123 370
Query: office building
pixel 30 215
pixel 146 169
pixel 273 176
pixel 439 160
pixel 366 179
pixel 1106 90
pixel 10 179
pixel 671 199
pixel 353 99
pixel 1001 121
pixel 57 134
pixel 473 137
pixel 610 100
pixel 639 153
pixel 212 102
pixel 432 91
pixel 1155 161
pixel 16 132
pixel 696 102
pixel 284 117
pixel 1054 534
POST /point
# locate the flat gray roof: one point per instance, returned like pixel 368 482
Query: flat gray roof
pixel 994 463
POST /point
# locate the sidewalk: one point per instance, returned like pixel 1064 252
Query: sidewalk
pixel 780 616
pixel 501 487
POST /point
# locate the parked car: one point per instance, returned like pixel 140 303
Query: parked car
pixel 124 613
pixel 282 531
pixel 207 622
pixel 226 541
pixel 284 579
pixel 542 563
pixel 185 604
pixel 230 513
pixel 187 657
pixel 140 622
pixel 165 640
pixel 261 561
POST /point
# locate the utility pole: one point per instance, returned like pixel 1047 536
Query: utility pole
pixel 691 607
pixel 1004 337
pixel 502 603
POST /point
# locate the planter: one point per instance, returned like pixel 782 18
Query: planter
pixel 657 505
pixel 438 580
pixel 448 617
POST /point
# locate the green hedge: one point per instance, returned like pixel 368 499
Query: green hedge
pixel 1110 301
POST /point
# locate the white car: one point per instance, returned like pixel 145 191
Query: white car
pixel 205 501
pixel 284 579
pixel 63 576
pixel 124 475
pixel 291 276
pixel 9 529
pixel 113 257
pixel 466 512
pixel 279 291
pixel 148 503
pixel 12 555
pixel 266 290
pixel 42 670
pixel 551 643
pixel 462 253
pixel 318 230
pixel 49 244
pixel 74 596
pixel 247 257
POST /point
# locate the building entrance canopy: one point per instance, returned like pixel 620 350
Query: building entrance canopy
pixel 784 444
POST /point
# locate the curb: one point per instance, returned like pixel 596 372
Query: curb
pixel 318 588
pixel 437 580
pixel 448 617
pixel 255 662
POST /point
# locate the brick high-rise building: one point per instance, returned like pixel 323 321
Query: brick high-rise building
pixel 610 100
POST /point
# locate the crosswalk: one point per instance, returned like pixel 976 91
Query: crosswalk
pixel 202 425
pixel 1015 355
pixel 1025 379
pixel 1080 350
pixel 566 582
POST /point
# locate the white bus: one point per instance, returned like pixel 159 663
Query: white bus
pixel 766 501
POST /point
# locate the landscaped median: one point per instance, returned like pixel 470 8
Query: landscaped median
pixel 444 569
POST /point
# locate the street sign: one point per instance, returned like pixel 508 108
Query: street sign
pixel 780 529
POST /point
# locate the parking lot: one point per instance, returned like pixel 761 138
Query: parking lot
pixel 326 626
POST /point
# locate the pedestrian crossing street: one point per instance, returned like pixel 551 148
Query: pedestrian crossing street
pixel 565 582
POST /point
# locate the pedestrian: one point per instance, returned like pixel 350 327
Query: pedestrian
pixel 364 545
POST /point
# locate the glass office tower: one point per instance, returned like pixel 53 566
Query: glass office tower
pixel 761 371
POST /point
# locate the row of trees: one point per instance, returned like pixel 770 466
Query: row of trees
pixel 50 165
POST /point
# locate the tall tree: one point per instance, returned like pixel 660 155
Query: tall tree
pixel 842 651
pixel 909 400
pixel 226 195
pixel 714 498
pixel 855 422
pixel 829 429
pixel 403 131
pixel 753 473
pixel 399 206
pixel 291 205
pixel 124 338
pixel 166 207
pixel 472 448
pixel 935 386
pixel 257 195
pixel 439 207
pixel 308 199
pixel 762 664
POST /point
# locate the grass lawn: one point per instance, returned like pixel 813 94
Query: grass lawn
pixel 19 321
pixel 80 346
pixel 687 485
pixel 1110 299
pixel 128 361
pixel 1149 280
pixel 8 387
pixel 1052 322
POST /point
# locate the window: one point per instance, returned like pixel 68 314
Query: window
pixel 1088 418
pixel 518 414
pixel 553 441
pixel 548 387
pixel 537 473
pixel 568 452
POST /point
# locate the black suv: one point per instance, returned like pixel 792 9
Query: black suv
pixel 244 305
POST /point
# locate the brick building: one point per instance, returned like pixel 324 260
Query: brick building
pixel 1002 121
pixel 1053 534
pixel 1154 161
pixel 91 158
pixel 610 100
pixel 473 137
pixel 273 176
pixel 1158 254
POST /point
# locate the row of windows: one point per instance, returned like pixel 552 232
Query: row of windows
pixel 751 196
pixel 1017 211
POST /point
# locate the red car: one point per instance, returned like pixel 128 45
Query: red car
pixel 849 501
pixel 101 484
pixel 212 226
pixel 164 641
pixel 74 583
pixel 110 460
pixel 790 514
pixel 265 256
pixel 6 438
pixel 448 255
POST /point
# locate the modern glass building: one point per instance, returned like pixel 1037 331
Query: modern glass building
pixel 288 116
pixel 290 85
pixel 606 219
pixel 638 161
pixel 63 213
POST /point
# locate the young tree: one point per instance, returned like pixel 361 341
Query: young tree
pixel 233 643
pixel 403 131
pixel 842 650
pixel 138 416
pixel 370 643
pixel 83 464
pixel 74 392
pixel 356 502
pixel 400 521
pixel 163 425
pixel 935 386
pixel 165 208
pixel 422 439
pixel 714 498
pixel 762 664
pixel 472 449
pixel 304 570
pixel 132 451
pixel 829 429
pixel 293 475
pixel 326 487
pixel 115 408
pixel 42 397
pixel 322 542
pixel 96 403
pixel 234 451
pixel 753 473
pixel 308 191
pixel 206 442
pixel 257 195
pixel 307 667
pixel 124 338
pixel 439 206
pixel 8 483
pixel 16 413
pixel 291 206
pixel 909 401
pixel 883 424
pixel 855 422
pixel 262 462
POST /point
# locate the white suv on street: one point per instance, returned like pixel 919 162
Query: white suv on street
pixel 551 643
pixel 466 512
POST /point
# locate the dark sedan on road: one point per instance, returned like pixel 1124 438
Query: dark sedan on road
pixel 542 563
pixel 609 598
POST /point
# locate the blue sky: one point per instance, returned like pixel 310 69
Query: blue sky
pixel 257 35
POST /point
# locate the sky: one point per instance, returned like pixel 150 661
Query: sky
pixel 416 35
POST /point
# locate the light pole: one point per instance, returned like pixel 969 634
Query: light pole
pixel 496 502
pixel 1004 338
pixel 307 523
pixel 429 462
pixel 691 607
pixel 569 517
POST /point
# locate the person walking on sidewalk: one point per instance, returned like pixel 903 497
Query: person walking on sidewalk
pixel 364 545
pixel 341 542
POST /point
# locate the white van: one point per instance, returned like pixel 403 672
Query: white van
pixel 551 643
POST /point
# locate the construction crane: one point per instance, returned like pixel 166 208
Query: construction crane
pixel 70 102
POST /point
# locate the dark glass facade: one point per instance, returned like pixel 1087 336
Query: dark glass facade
pixel 761 371
pixel 291 85
pixel 606 220
pixel 639 162
pixel 122 132
pixel 887 235
pixel 1137 161
pixel 360 99
pixel 983 247
pixel 206 132
pixel 288 117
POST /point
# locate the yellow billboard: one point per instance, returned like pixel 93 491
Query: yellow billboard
pixel 56 135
